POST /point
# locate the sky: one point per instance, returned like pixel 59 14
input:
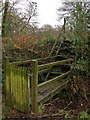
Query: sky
pixel 47 12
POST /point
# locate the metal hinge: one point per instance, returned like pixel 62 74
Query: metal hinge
pixel 32 74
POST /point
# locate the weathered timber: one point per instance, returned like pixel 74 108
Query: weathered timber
pixel 66 56
pixel 7 82
pixel 64 28
pixel 20 89
pixel 25 91
pixel 28 92
pixel 57 73
pixel 46 59
pixel 47 70
pixel 23 87
pixel 49 116
pixel 18 85
pixel 34 86
pixel 62 56
pixel 43 71
pixel 12 85
pixel 29 61
pixel 54 63
pixel 53 80
pixel 17 88
pixel 48 95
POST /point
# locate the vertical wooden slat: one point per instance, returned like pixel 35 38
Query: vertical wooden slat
pixel 28 92
pixel 22 77
pixel 13 70
pixel 15 84
pixel 16 88
pixel 25 93
pixel 34 87
pixel 11 79
pixel 20 92
pixel 23 89
pixel 21 97
pixel 12 85
pixel 8 86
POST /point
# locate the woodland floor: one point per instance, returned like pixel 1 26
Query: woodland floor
pixel 61 106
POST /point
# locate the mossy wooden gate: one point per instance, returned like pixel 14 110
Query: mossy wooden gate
pixel 17 87
pixel 17 84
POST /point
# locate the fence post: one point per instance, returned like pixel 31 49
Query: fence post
pixel 64 29
pixel 6 62
pixel 6 83
pixel 34 86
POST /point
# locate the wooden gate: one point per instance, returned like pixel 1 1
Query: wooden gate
pixel 17 88
pixel 18 79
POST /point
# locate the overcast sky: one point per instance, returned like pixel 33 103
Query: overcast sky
pixel 47 11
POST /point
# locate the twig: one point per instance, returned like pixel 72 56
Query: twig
pixel 2 9
pixel 48 104
pixel 54 100
pixel 54 115
pixel 68 105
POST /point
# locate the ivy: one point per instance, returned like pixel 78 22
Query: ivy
pixel 77 22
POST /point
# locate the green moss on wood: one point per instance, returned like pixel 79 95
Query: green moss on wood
pixel 54 63
pixel 34 86
pixel 53 80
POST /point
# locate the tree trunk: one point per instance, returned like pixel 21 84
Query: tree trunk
pixel 5 19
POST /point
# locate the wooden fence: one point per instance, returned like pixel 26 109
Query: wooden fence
pixel 18 93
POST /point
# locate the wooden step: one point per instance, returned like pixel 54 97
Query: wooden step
pixel 47 92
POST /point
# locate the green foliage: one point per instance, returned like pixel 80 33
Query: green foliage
pixel 41 78
pixel 81 115
pixel 84 114
pixel 3 117
pixel 67 113
pixel 78 24
pixel 8 108
pixel 64 80
pixel 41 108
pixel 8 44
pixel 49 38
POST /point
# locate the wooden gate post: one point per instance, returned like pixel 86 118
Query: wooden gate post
pixel 34 86
pixel 6 63
pixel 64 29
pixel 7 82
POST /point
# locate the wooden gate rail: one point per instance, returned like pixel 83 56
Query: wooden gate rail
pixel 29 61
pixel 15 77
pixel 54 63
pixel 53 80
pixel 39 60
